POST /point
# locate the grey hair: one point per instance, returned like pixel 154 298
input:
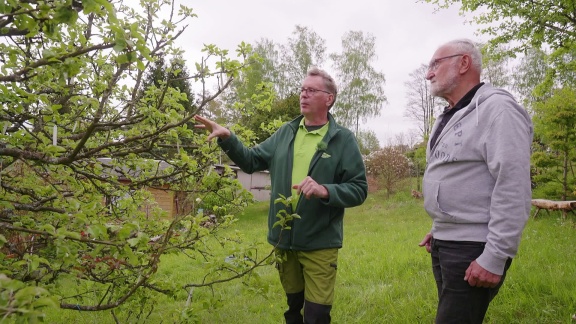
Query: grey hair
pixel 466 46
pixel 328 81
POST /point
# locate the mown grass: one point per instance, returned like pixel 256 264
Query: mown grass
pixel 383 276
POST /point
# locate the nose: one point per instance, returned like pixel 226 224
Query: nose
pixel 429 75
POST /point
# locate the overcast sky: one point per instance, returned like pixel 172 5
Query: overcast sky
pixel 407 34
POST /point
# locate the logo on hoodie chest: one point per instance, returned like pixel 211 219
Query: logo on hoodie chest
pixel 450 144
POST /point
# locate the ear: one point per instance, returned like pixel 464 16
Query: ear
pixel 330 100
pixel 465 63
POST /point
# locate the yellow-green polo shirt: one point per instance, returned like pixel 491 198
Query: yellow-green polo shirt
pixel 305 145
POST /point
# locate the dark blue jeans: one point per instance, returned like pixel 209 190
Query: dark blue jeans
pixel 458 302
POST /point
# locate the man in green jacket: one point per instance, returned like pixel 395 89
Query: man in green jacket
pixel 319 164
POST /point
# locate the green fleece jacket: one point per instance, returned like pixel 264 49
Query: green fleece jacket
pixel 338 166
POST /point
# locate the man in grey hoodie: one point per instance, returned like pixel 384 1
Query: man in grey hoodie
pixel 477 187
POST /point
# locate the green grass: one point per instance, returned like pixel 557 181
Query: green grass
pixel 383 276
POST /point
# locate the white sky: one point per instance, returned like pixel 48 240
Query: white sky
pixel 407 34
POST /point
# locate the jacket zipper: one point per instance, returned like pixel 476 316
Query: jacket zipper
pixel 315 159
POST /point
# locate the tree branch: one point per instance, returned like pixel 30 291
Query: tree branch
pixel 17 76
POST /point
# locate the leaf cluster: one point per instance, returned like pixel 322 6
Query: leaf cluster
pixel 525 24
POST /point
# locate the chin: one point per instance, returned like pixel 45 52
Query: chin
pixel 435 91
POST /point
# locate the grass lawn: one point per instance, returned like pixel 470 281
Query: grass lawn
pixel 383 276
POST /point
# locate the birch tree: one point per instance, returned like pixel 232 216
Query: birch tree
pixel 361 85
pixel 303 50
pixel 528 74
pixel 495 68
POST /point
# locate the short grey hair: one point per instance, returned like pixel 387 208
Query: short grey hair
pixel 466 46
pixel 328 81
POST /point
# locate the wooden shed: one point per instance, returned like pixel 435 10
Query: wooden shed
pixel 258 183
pixel 176 203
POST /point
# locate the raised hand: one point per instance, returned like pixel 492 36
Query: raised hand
pixel 215 129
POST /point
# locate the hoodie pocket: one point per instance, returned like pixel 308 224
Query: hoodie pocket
pixel 431 191
pixel 450 202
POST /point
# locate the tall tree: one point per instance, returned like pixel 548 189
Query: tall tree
pixel 249 100
pixel 555 123
pixel 270 64
pixel 258 96
pixel 495 65
pixel 172 76
pixel 422 106
pixel 561 72
pixel 368 142
pixel 266 122
pixel 528 74
pixel 361 86
pixel 304 49
pixel 547 83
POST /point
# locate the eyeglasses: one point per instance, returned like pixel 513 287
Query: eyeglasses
pixel 312 91
pixel 434 65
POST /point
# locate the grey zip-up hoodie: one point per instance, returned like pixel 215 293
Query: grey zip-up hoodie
pixel 477 182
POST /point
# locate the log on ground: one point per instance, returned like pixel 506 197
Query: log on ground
pixel 563 205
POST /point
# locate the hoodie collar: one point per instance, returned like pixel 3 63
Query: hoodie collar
pixel 465 101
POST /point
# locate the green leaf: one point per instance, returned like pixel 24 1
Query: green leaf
pixel 140 65
pixel 74 235
pixel 132 257
pixel 126 230
pixel 90 6
pixel 65 14
pixel 48 228
pixel 29 293
pixel 97 231
pixel 141 240
pixel 43 302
